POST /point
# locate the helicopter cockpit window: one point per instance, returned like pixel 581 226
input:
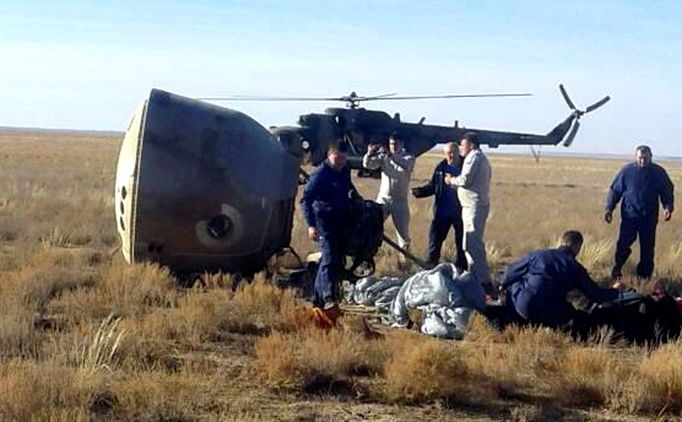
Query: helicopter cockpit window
pixel 219 226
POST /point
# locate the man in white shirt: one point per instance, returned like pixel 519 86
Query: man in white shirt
pixel 396 168
pixel 473 191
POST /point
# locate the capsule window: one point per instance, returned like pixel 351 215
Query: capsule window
pixel 219 226
pixel 124 192
pixel 120 221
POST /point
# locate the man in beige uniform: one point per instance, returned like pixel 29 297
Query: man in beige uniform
pixel 396 168
pixel 473 189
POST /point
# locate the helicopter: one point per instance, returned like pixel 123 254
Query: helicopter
pixel 203 188
pixel 359 127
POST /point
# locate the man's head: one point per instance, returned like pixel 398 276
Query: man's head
pixel 643 155
pixel 468 143
pixel 395 143
pixel 336 155
pixel 573 240
pixel 450 152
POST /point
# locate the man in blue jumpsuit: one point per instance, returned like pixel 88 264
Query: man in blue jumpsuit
pixel 447 210
pixel 326 205
pixel 536 286
pixel 640 185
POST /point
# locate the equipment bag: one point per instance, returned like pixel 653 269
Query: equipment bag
pixel 640 319
pixel 363 236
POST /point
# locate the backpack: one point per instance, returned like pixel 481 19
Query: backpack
pixel 363 236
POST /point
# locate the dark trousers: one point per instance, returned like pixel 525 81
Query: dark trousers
pixel 577 323
pixel 630 229
pixel 438 232
pixel 328 271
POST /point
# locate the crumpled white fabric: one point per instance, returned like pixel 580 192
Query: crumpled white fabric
pixel 444 295
pixel 444 322
pixel 372 291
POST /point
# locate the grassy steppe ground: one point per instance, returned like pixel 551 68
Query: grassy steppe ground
pixel 84 336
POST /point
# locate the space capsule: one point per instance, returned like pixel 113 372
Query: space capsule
pixel 202 188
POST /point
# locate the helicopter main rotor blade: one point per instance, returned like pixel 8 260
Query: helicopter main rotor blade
pixel 257 98
pixel 571 135
pixel 356 99
pixel 598 104
pixel 424 97
pixel 378 97
pixel 566 97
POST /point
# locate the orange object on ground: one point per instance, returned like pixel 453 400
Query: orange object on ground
pixel 326 318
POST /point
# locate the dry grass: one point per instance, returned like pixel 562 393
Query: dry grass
pixel 160 396
pixel 316 361
pixel 662 380
pixel 44 391
pixel 260 306
pixel 97 350
pixel 431 370
pixel 583 375
pixel 84 336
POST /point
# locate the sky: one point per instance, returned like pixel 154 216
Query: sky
pixel 88 64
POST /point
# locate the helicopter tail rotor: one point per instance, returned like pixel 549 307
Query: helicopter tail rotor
pixel 566 97
pixel 572 133
pixel 597 104
pixel 577 114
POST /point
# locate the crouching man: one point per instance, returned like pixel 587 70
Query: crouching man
pixel 535 289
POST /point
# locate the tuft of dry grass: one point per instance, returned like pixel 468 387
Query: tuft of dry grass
pixel 161 396
pixel 98 348
pixel 314 360
pixel 56 238
pixel 259 306
pixel 47 275
pixel 18 336
pixel 198 317
pixel 433 370
pixel 597 253
pixel 32 390
pixel 278 364
pixel 583 376
pixel 661 380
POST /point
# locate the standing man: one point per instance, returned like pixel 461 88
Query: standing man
pixel 640 185
pixel 326 205
pixel 396 168
pixel 473 191
pixel 447 211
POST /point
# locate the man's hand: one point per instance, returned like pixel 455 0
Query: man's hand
pixel 667 214
pixel 312 233
pixel 608 217
pixel 619 286
pixel 373 148
pixel 449 179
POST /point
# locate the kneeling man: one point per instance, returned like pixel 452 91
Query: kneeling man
pixel 536 286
